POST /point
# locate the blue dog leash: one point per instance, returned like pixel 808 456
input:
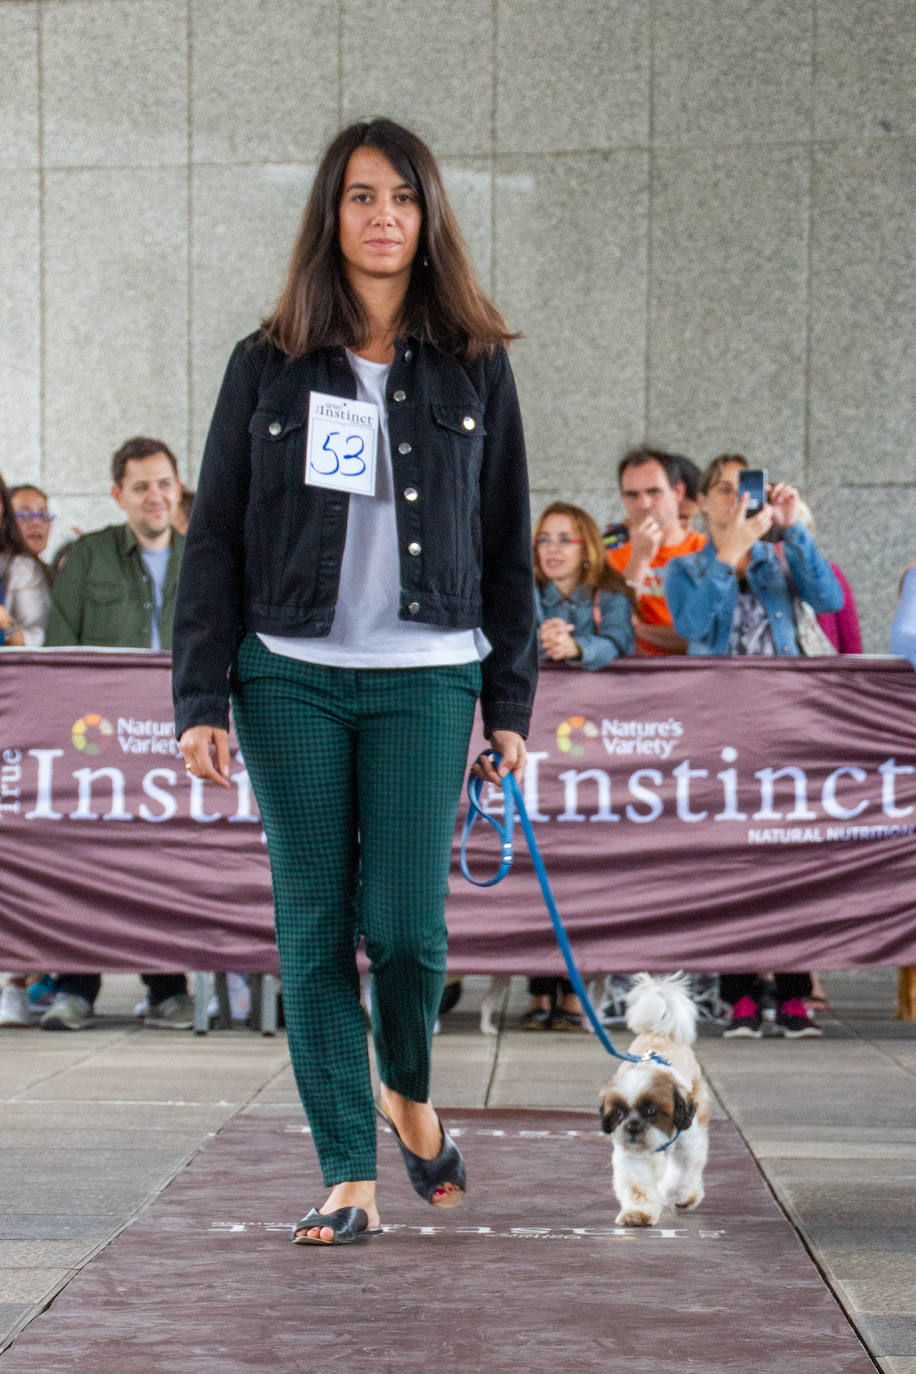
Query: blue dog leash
pixel 513 802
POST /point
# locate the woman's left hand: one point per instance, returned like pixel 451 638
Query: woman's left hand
pixel 514 757
pixel 784 500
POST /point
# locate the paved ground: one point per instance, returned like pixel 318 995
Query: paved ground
pixel 94 1125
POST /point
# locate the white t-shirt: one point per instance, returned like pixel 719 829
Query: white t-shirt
pixel 366 632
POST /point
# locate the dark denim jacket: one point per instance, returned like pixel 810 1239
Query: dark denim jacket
pixel 263 550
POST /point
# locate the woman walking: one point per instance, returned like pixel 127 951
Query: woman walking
pixel 357 572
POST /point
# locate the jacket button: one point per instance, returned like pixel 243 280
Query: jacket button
pixel 404 448
pixel 408 354
pixel 410 493
pixel 413 607
pixel 399 396
pixel 413 549
pixel 778 615
pixel 275 427
pixel 469 422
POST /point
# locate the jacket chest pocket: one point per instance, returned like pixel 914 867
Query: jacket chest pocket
pixel 277 451
pixel 459 431
pixel 113 612
pixel 453 483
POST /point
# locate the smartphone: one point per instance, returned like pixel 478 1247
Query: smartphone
pixel 753 481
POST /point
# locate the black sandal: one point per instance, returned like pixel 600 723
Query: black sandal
pixel 347 1223
pixel 426 1175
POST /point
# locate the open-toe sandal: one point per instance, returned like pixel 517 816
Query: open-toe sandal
pixel 428 1175
pixel 347 1223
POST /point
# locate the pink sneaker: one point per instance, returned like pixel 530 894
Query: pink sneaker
pixel 745 1020
pixel 793 1020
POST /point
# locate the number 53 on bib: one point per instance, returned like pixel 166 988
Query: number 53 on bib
pixel 341 444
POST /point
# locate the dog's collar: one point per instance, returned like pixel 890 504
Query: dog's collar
pixel 653 1057
pixel 668 1143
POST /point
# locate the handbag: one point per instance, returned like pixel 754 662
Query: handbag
pixel 812 641
pixel 810 637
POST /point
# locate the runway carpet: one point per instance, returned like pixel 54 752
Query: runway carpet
pixel 531 1274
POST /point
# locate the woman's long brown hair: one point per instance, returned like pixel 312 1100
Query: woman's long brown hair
pixel 445 305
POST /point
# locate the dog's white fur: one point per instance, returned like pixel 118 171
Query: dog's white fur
pixel 491 1003
pixel 644 1105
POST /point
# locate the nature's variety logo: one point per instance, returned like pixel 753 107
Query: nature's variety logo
pixel 92 733
pixel 575 734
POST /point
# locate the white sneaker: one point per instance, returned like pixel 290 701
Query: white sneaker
pixel 14 1006
pixel 67 1012
pixel 175 1013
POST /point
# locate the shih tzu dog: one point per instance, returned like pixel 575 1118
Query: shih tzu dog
pixel 658 1113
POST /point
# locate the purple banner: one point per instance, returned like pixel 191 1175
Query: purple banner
pixel 695 813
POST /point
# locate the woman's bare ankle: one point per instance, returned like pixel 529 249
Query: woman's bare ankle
pixel 416 1122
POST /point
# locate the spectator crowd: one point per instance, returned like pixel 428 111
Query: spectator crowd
pixel 694 566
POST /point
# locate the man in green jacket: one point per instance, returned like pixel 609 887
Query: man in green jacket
pixel 117 590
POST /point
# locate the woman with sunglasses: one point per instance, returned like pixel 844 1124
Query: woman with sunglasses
pixel 356 619
pixel 35 520
pixel 25 593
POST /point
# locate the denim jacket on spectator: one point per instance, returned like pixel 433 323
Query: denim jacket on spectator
pixel 701 591
pixel 264 549
pixel 600 644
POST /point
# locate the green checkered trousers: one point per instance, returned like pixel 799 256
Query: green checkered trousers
pixel 358 775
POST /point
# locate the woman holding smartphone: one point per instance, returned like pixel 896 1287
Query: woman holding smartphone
pixel 735 595
pixel 356 629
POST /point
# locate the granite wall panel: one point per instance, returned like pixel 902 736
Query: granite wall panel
pixel 264 82
pixel 114 82
pixel 734 73
pixel 728 304
pixel 572 279
pixel 19 87
pixel 572 77
pixel 863 305
pixel 431 69
pixel 244 221
pixel 20 330
pixel 864 83
pixel 115 307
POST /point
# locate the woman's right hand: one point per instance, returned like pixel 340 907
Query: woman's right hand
pixel 206 753
pixel 741 532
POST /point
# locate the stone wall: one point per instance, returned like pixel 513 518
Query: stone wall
pixel 699 213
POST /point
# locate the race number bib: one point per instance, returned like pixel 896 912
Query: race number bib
pixel 341 444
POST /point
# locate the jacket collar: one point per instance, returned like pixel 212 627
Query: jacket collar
pixel 130 543
pixel 551 596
